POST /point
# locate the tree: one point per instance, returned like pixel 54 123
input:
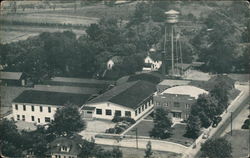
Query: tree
pixel 10 144
pixel 67 121
pixel 193 127
pixel 116 153
pixel 162 124
pixel 216 148
pixel 148 151
pixel 220 93
pixel 206 107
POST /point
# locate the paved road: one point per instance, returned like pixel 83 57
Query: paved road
pixel 236 106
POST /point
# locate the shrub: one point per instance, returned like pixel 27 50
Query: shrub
pixel 122 119
pixel 246 124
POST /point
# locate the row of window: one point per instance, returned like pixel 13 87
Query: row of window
pixel 142 108
pixel 46 119
pixel 33 108
pixel 59 156
pixel 108 112
pixel 176 104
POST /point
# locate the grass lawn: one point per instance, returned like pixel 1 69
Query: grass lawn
pixel 240 142
pixel 179 130
pixel 139 153
pixel 144 127
pixel 177 137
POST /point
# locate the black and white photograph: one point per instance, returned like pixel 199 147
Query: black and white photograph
pixel 124 79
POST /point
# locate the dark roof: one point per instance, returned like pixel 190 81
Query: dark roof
pixel 10 75
pixel 74 84
pixel 51 98
pixel 184 66
pixel 155 56
pixel 145 77
pixel 129 94
pixel 79 80
pixel 72 143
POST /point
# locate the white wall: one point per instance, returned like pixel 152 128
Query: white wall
pixel 36 113
pixel 110 64
pixel 148 60
pixel 108 105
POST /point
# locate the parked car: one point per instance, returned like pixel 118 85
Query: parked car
pixel 216 121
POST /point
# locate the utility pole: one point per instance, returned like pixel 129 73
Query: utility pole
pixel 231 124
pixel 136 137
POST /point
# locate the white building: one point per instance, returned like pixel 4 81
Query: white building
pixel 152 63
pixel 131 99
pixel 114 60
pixel 40 106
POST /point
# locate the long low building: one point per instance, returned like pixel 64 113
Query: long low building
pixel 40 106
pixel 178 100
pixel 131 99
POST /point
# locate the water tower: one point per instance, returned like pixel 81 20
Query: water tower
pixel 172 18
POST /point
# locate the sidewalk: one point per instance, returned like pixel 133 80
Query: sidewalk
pixel 191 151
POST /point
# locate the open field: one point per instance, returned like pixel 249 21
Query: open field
pixel 15 33
pixel 145 126
pixel 240 142
pixel 139 153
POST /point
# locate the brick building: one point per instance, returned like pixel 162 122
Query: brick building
pixel 178 100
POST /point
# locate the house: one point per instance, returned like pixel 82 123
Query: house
pixel 40 106
pixel 183 69
pixel 65 147
pixel 114 60
pixel 168 83
pixel 152 62
pixel 178 100
pixel 12 78
pixel 131 99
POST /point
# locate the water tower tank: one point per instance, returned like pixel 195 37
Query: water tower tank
pixel 172 16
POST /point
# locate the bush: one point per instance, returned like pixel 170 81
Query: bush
pixel 246 124
pixel 122 119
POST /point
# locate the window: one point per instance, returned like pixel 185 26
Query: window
pixel 41 109
pixel 128 113
pixel 146 106
pixel 23 117
pixel 16 106
pixel 135 112
pixel 32 118
pixel 38 120
pixel 89 112
pixel 18 117
pixel 176 104
pixel 108 112
pixel 139 110
pixel 118 113
pixel 24 107
pixel 187 106
pixel 32 108
pixel 142 108
pixel 49 109
pixel 99 111
pixel 47 119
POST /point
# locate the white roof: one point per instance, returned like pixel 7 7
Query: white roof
pixel 174 82
pixel 172 12
pixel 186 90
pixel 10 75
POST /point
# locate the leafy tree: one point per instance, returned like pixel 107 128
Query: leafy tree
pixel 162 124
pixel 116 153
pixel 148 151
pixel 216 148
pixel 220 93
pixel 246 124
pixel 206 107
pixel 10 144
pixel 36 141
pixel 193 127
pixel 67 121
